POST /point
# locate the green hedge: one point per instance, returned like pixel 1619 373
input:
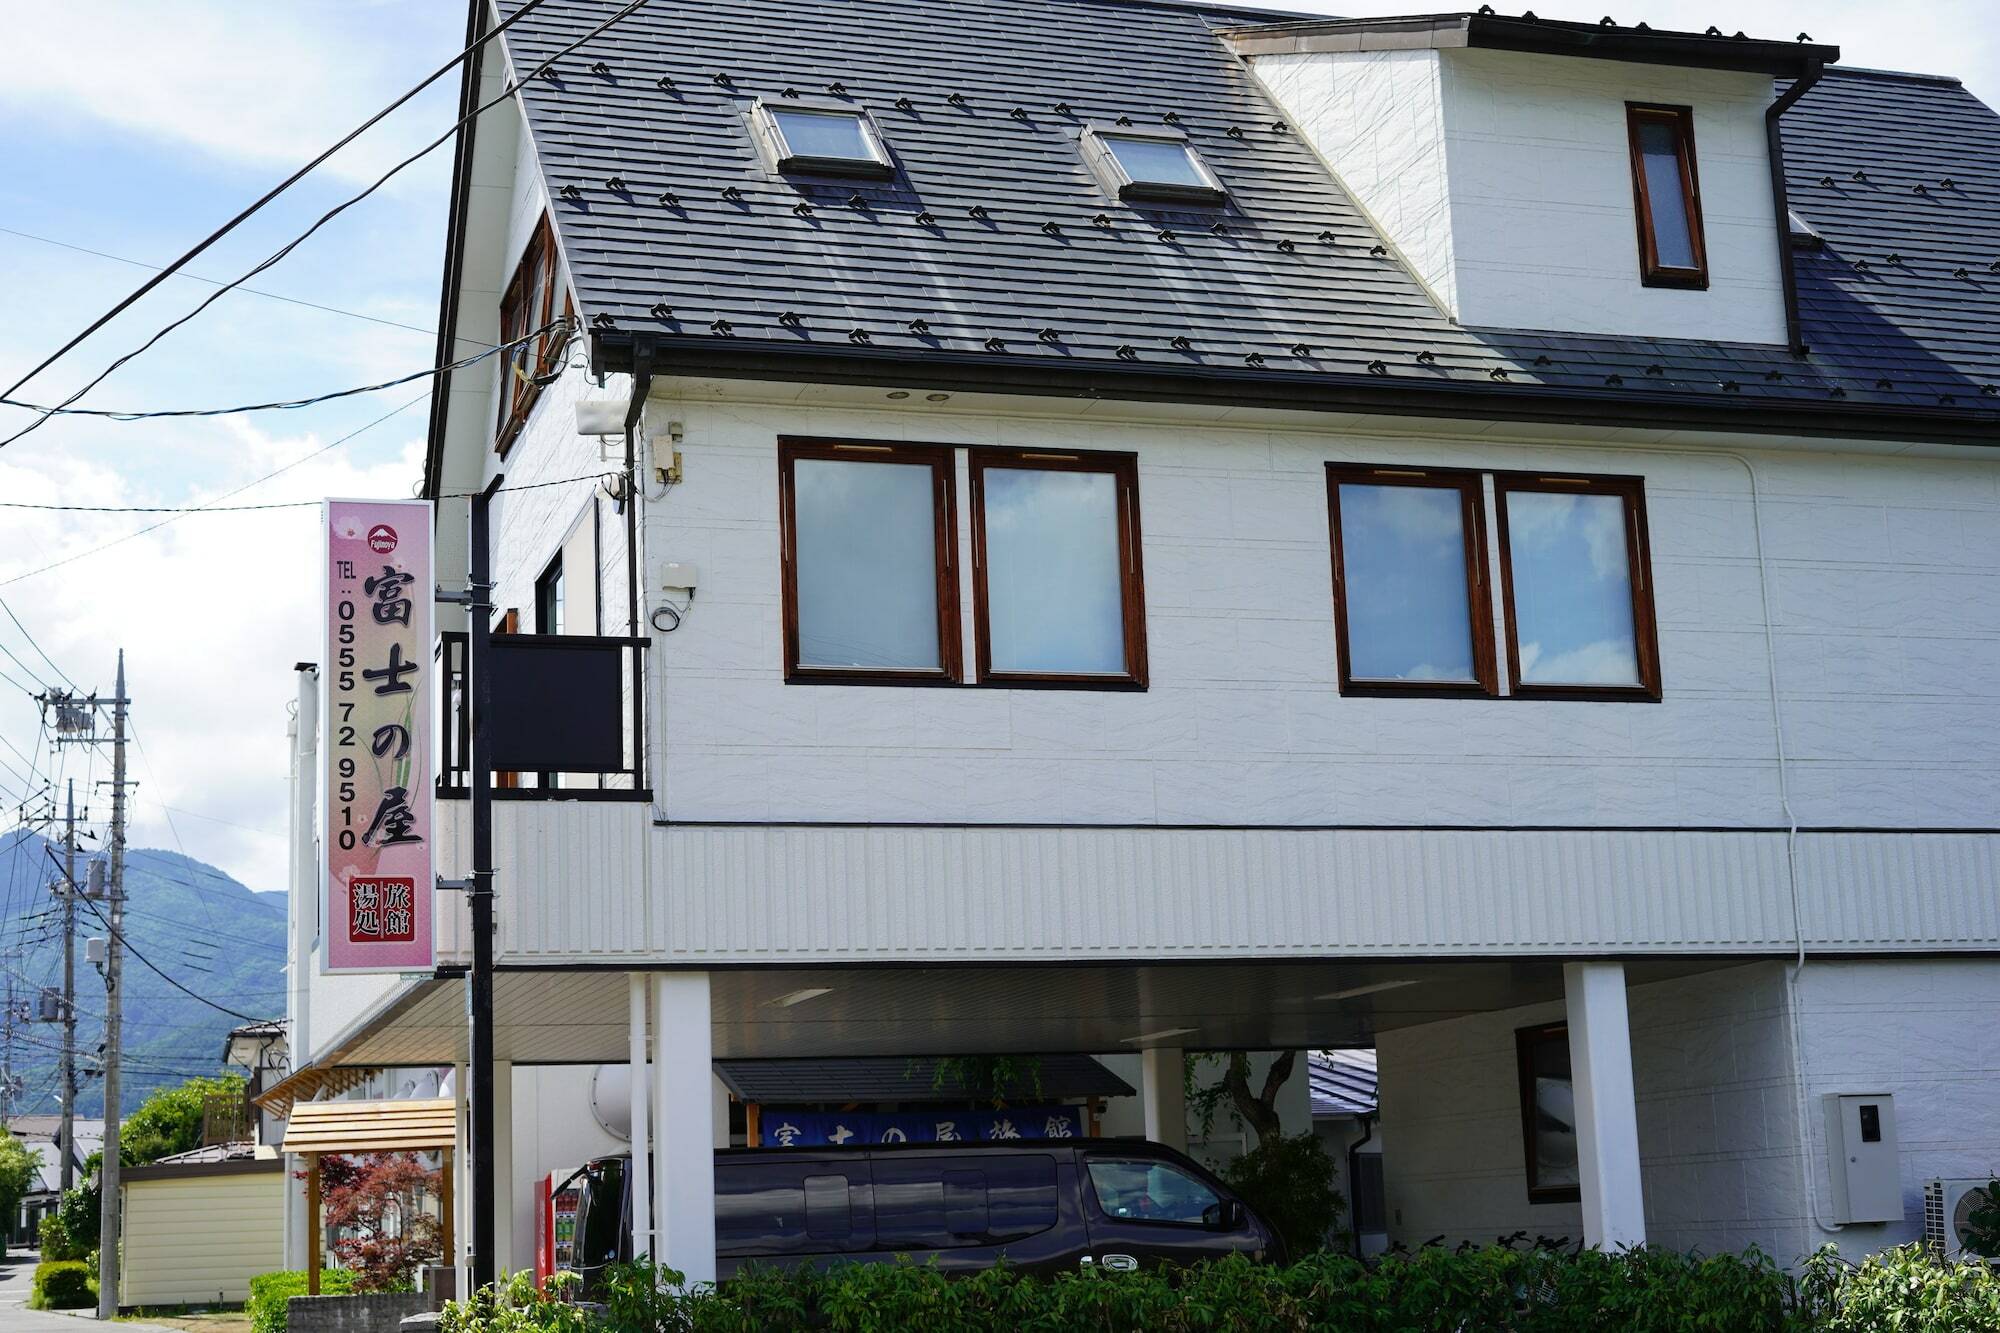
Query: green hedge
pixel 270 1292
pixel 1494 1290
pixel 63 1284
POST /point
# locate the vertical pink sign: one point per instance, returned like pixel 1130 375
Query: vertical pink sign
pixel 377 826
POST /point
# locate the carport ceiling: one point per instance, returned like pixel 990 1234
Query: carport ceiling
pixel 579 1017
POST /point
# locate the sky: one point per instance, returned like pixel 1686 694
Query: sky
pixel 132 128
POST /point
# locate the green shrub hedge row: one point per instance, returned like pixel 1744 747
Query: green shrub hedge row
pixel 270 1292
pixel 1493 1290
pixel 63 1284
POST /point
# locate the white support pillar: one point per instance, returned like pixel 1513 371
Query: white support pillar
pixel 461 1185
pixel 1607 1118
pixel 503 1171
pixel 1163 1095
pixel 641 1174
pixel 720 1110
pixel 684 1148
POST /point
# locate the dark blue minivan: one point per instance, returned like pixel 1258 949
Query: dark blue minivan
pixel 1044 1206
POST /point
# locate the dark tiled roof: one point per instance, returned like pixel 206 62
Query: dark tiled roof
pixel 995 248
pixel 1343 1082
pixel 808 1082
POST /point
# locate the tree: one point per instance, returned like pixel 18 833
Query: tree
pixel 376 1213
pixel 17 1173
pixel 169 1121
pixel 1259 1109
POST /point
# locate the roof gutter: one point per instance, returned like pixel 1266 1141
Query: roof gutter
pixel 1794 332
pixel 742 359
pixel 454 258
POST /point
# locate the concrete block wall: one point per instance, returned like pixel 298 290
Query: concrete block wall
pixel 1720 1117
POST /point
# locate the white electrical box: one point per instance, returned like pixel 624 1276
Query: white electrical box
pixel 601 416
pixel 677 576
pixel 1861 1153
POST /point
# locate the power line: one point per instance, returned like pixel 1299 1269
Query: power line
pixel 126 941
pixel 217 282
pixel 259 508
pixel 36 646
pixel 326 217
pixel 292 404
pixel 266 198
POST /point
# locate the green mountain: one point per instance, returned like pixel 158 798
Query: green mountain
pixel 198 943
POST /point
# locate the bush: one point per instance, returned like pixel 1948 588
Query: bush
pixel 1520 1290
pixel 78 1216
pixel 55 1241
pixel 62 1284
pixel 270 1292
pixel 1289 1182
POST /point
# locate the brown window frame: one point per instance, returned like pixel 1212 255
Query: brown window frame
pixel 1645 627
pixel 522 311
pixel 1652 272
pixel 1471 487
pixel 941 459
pixel 1124 467
pixel 1525 1040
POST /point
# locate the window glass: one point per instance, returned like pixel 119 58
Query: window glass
pixel 1548 1110
pixel 1403 587
pixel 755 1213
pixel 828 1213
pixel 1020 1195
pixel 1053 575
pixel 1666 192
pixel 865 543
pixel 1156 162
pixel 909 1206
pixel 549 600
pixel 965 1215
pixel 1140 1191
pixel 601 1213
pixel 818 134
pixel 1572 588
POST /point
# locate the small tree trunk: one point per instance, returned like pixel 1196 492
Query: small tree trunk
pixel 1260 1109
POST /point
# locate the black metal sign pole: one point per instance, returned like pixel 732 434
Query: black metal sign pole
pixel 479 987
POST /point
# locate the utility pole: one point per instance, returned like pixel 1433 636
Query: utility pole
pixel 68 1139
pixel 108 1198
pixel 479 982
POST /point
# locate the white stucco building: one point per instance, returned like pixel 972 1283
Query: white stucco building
pixel 1168 531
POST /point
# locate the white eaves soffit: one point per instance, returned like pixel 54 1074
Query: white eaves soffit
pixel 1503 179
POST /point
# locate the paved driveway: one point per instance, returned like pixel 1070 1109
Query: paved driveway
pixel 17 1273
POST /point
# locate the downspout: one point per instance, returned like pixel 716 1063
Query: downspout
pixel 1775 151
pixel 1354 1173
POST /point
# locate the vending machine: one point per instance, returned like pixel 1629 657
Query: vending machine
pixel 555 1224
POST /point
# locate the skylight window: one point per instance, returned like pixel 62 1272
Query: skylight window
pixel 836 141
pixel 1162 167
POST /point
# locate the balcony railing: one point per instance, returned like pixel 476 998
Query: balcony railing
pixel 603 665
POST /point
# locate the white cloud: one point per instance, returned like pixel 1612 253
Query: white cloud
pixel 212 610
pixel 266 84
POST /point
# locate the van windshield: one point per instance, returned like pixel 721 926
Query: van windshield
pixel 600 1213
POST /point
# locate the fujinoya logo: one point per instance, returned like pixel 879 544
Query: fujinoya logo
pixel 381 539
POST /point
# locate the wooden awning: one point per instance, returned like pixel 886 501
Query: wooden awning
pixel 413 1125
pixel 312 1081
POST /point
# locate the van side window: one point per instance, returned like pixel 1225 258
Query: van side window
pixel 928 1203
pixel 965 1206
pixel 1148 1191
pixel 755 1213
pixel 828 1213
pixel 1020 1195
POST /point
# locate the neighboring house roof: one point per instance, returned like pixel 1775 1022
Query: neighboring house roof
pixel 993 259
pixel 1343 1082
pixel 38 1134
pixel 811 1082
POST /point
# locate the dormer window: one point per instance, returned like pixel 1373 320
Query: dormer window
pixel 827 141
pixel 1667 194
pixel 1163 168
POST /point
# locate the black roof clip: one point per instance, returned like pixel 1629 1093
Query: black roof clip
pixel 616 184
pixel 668 199
pixel 792 93
pixel 1607 22
pixel 1101 220
pixel 1217 229
pixel 1920 188
pixel 722 80
pixel 1427 357
pixel 1543 361
pixel 1126 352
pixel 1731 386
pixel 1279 127
pixel 836 89
pixel 1885 385
pixel 1234 131
pixel 1063 109
pixel 803 208
pixel 1172 118
pixel 662 311
pixel 1857 175
pixel 1378 367
pixel 1990 390
pixel 1656 370
pixel 978 213
pixel 1254 359
pixel 601 69
pixel 1892 258
pixel 1614 381
pixel 958 99
pixel 570 192
pixel 1301 351
pixel 722 328
pixel 857 200
pixel 731 194
pixel 995 344
pixel 1180 342
pixel 1836 392
pixel 1048 335
pixel 858 336
pixel 1326 236
pixel 1165 234
pixel 1947 183
pixel 1051 228
pixel 1805 36
pixel 1961 272
pixel 1019 113
pixel 1379 250
pixel 1711 31
pixel 792 320
pixel 1774 376
pixel 1497 373
pixel 925 219
pixel 665 83
pixel 1826 180
pixel 1287 245
pixel 603 320
pixel 1123 120
pixel 904 104
pixel 920 327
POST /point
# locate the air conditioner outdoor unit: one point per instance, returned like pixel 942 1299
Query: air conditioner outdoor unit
pixel 1948 1204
